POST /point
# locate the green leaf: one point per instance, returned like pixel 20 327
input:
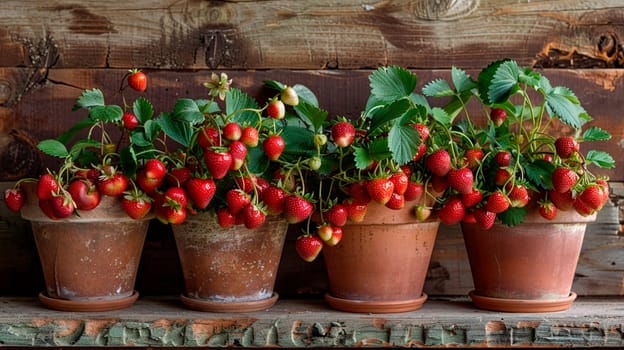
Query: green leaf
pixel 152 129
pixel 462 81
pixel 208 106
pixel 513 216
pixel 311 114
pixel 128 160
pixel 306 94
pixel 559 105
pixel 441 116
pixel 273 84
pixel 53 148
pixel 143 110
pixel 539 172
pixel 139 138
pixel 69 134
pixel 388 113
pixel 600 159
pixel 498 81
pixel 420 101
pixel 362 158
pixel 403 142
pixel 89 99
pixel 82 145
pixel 186 110
pixel 106 114
pixel 181 132
pixel 237 100
pixel 299 141
pixel 596 134
pixel 392 83
pixel 438 88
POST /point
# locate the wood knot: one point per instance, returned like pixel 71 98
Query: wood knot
pixel 19 156
pixel 607 46
pixel 445 10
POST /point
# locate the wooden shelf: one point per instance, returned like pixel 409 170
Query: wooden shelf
pixel 449 322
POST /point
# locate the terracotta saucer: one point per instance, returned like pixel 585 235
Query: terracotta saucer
pixel 520 305
pixel 87 305
pixel 235 306
pixel 377 307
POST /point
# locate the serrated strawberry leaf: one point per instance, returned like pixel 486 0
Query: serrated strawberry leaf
pixel 462 81
pixel 53 148
pixel 498 81
pixel 596 134
pixel 139 138
pixel 128 161
pixel 187 110
pixel 600 159
pixel 110 113
pixel 361 157
pixel 236 104
pixel 89 99
pixel 208 106
pixel 403 142
pixel 388 113
pixel 82 145
pixel 438 88
pixel 559 104
pixel 512 216
pixel 311 114
pixel 152 129
pixel 69 134
pixel 539 173
pixel 273 84
pixel 392 83
pixel 300 141
pixel 305 94
pixel 143 110
pixel 178 131
pixel 441 116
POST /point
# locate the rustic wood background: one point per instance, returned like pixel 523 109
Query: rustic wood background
pixel 51 50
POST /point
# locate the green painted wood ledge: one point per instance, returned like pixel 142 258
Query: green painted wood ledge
pixel 452 322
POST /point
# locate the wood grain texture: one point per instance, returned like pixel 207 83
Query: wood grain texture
pixel 307 34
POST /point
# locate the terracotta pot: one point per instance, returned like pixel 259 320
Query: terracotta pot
pixel 229 270
pixel 526 268
pixel 89 262
pixel 381 263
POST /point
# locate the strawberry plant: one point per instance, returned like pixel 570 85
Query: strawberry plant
pixel 526 160
pixel 114 151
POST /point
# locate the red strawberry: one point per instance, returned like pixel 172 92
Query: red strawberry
pixel 238 150
pixel 147 184
pixel 563 201
pixel 246 183
pixel 498 116
pixel 548 210
pixel 273 197
pixel 297 208
pixel 473 198
pixel 461 180
pixel 47 186
pixel 208 136
pixel 439 162
pixel 423 130
pixel 173 215
pixel 336 215
pixel 439 184
pixel 113 184
pixel 605 189
pixel 380 189
pixel 484 218
pixel 14 199
pixel 308 247
pixel 176 197
pixel 225 218
pixel 400 181
pixel 276 109
pixel 592 196
pixel 155 169
pixel 249 136
pixel 253 216
pixel 566 146
pixel 473 157
pixel 414 191
pixel 503 158
pixel 357 191
pixel 469 218
pixel 129 120
pixel 452 211
pixel 497 202
pixel 178 176
pixel 84 193
pixel 335 238
pixel 422 149
pixel 397 201
pixel 519 196
pixel 563 179
pixel 201 191
pixel 582 208
pixel 136 205
pixel 343 133
pixel 218 163
pixel 63 205
pixel 237 200
pixel 274 146
pixel 502 176
pixel 46 207
pixel 356 210
pixel 232 131
pixel 137 80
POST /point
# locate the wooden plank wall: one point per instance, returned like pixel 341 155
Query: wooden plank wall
pixel 51 50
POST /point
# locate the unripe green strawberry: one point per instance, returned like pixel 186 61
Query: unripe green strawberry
pixel 289 96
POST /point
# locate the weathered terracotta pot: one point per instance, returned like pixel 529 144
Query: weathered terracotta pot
pixel 89 262
pixel 526 268
pixel 229 270
pixel 381 263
